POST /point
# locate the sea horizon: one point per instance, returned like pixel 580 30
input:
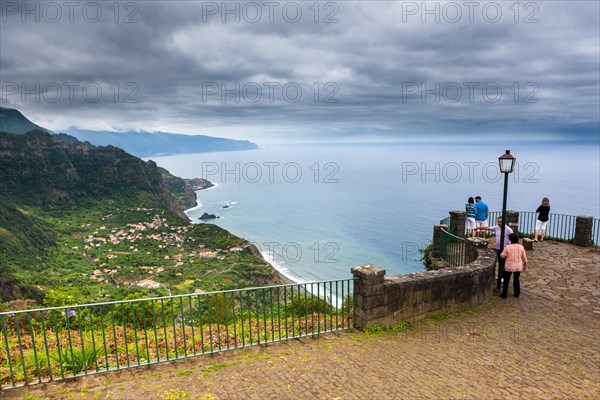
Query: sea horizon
pixel 315 211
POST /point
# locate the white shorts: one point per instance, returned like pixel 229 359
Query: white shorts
pixel 481 223
pixel 470 223
pixel 540 225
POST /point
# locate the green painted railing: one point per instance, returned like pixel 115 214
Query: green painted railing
pixel 452 249
pixel 56 343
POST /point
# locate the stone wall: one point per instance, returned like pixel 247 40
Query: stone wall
pixel 384 301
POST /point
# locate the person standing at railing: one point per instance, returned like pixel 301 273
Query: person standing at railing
pixel 516 262
pixel 483 212
pixel 471 210
pixel 542 220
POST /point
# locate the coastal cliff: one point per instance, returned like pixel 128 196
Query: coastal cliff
pixel 96 223
pixel 184 189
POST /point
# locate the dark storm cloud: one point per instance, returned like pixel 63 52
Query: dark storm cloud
pixel 379 70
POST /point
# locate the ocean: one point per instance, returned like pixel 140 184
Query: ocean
pixel 315 211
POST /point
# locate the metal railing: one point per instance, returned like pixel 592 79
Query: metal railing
pixel 452 249
pixel 560 226
pixel 56 343
pixel 445 221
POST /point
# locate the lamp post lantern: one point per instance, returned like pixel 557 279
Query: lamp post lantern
pixel 507 165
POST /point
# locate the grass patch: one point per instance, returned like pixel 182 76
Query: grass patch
pixel 398 327
pixel 29 396
pixel 183 372
pixel 257 356
pixel 468 311
pixel 215 366
pixel 176 394
pixel 403 326
pixel 441 317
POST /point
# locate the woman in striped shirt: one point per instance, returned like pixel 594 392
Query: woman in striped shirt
pixel 471 210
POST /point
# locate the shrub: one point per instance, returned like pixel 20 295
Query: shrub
pixel 426 258
pixel 75 360
pixel 307 305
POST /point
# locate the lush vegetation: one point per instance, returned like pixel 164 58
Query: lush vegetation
pixel 426 258
pixel 40 169
pixel 24 239
pixel 69 340
pixel 80 224
pixel 184 190
pixel 99 224
pixel 106 252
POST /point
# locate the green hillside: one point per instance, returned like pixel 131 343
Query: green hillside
pixel 97 223
pixel 23 243
pixel 39 168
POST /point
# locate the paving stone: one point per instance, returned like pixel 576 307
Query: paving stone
pixel 543 345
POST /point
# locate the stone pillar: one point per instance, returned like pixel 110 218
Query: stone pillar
pixel 583 231
pixel 437 240
pixel 457 222
pixel 512 220
pixel 369 295
pixel 512 217
pixel 472 248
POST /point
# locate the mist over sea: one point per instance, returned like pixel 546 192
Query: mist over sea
pixel 315 211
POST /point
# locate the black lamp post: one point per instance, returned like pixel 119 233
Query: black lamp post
pixel 507 165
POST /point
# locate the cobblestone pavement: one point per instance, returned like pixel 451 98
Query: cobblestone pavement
pixel 543 345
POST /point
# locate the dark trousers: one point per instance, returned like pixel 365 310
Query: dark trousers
pixel 516 283
pixel 501 262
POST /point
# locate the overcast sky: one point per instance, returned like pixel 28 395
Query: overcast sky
pixel 305 71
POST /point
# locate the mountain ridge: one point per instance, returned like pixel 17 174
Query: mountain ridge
pixel 148 144
pixel 12 120
pixel 138 143
pixel 40 169
pixel 97 223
